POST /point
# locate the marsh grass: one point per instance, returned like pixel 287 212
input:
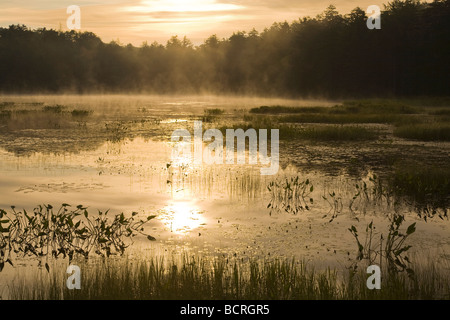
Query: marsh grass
pixel 441 112
pixel 6 104
pixel 55 109
pixel 427 188
pixel 214 112
pixel 319 133
pixel 337 133
pixel 5 114
pixel 203 278
pixel 284 109
pixel 359 111
pixel 39 116
pixel 424 132
pixel 80 113
pixel 30 119
pixel 377 106
pixel 349 118
pixel 347 107
pixel 210 115
pixel 431 281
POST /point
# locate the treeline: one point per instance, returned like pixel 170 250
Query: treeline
pixel 331 55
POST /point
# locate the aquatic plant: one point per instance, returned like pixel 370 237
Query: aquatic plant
pixel 290 195
pixel 335 203
pixel 392 252
pixel 45 233
pixel 372 192
pixel 116 131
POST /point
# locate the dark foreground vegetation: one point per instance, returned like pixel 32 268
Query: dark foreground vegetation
pixel 331 55
pixel 202 278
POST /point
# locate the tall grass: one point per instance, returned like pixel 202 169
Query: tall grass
pixel 337 133
pixel 347 107
pixel 359 111
pixel 80 113
pixel 375 106
pixel 424 132
pixel 202 278
pixel 322 133
pixel 346 118
pixel 284 109
pixel 55 109
pixel 426 187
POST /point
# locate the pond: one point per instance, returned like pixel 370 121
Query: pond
pixel 115 152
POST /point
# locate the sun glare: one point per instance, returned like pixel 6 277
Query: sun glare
pixel 184 6
pixel 182 217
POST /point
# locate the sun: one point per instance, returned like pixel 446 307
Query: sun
pixel 184 6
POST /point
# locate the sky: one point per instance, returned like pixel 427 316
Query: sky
pixel 136 21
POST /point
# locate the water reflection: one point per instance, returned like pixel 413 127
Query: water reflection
pixel 181 217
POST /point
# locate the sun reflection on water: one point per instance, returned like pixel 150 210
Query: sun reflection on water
pixel 181 217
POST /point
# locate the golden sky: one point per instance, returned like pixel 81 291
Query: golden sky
pixel 136 21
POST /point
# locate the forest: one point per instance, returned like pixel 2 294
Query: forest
pixel 332 55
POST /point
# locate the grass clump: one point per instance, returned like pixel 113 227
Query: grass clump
pixel 292 132
pixel 6 104
pixel 359 111
pixel 210 115
pixel 284 109
pixel 344 118
pixel 5 114
pixel 80 113
pixel 373 107
pixel 424 132
pixel 376 107
pixel 214 112
pixel 337 133
pixel 55 109
pixel 426 187
pixel 441 112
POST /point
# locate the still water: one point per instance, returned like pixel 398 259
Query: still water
pixel 119 158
